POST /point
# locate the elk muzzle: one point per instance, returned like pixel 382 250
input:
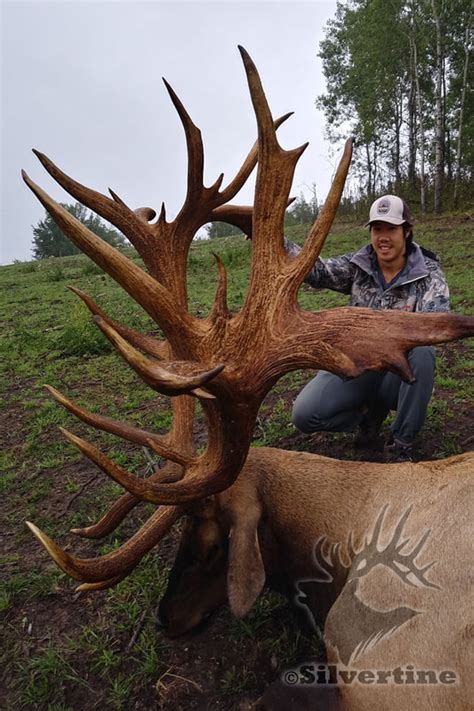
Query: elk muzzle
pixel 197 584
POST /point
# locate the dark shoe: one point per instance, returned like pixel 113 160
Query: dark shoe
pixel 369 431
pixel 396 451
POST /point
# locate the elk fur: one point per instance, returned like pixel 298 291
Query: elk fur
pixel 280 505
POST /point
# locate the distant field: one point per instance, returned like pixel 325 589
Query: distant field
pixel 63 651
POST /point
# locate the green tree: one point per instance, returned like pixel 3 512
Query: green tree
pixel 50 241
pixel 221 229
pixel 399 78
pixel 365 63
pixel 302 211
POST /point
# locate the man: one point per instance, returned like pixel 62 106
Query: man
pixel 392 272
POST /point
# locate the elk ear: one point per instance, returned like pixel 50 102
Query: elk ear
pixel 246 574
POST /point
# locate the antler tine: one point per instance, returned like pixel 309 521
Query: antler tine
pixel 180 437
pixel 198 197
pixel 330 549
pixel 115 211
pixel 275 174
pixel 416 550
pixel 136 486
pixel 320 230
pixel 120 561
pixel 351 551
pixel 157 301
pixel 145 489
pixel 161 379
pixel 102 585
pixel 111 519
pixel 239 215
pixel 248 165
pixel 195 150
pixel 124 504
pixel 419 574
pixel 337 550
pixel 262 110
pixel 121 429
pixel 158 349
pixel 347 556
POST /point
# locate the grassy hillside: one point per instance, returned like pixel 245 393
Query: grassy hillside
pixel 64 651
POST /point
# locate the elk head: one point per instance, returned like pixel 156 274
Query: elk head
pixel 229 361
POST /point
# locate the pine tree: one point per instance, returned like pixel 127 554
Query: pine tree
pixel 50 241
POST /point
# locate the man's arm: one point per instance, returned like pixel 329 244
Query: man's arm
pixel 436 295
pixel 336 273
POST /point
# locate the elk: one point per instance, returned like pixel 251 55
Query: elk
pixel 229 362
pixel 353 544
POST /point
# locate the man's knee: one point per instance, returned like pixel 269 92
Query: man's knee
pixel 312 408
pixel 305 417
pixel 422 357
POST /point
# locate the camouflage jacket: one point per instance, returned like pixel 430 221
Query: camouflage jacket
pixel 420 286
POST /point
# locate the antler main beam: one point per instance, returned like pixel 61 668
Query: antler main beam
pixel 348 341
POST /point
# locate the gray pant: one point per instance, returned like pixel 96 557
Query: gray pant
pixel 328 403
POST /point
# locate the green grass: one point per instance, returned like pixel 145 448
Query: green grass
pixel 47 336
pixel 41 679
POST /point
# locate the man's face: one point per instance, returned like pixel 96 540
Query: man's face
pixel 388 242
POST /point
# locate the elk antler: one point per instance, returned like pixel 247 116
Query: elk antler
pixel 228 361
pixel 180 434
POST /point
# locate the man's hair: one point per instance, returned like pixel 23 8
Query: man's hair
pixel 408 232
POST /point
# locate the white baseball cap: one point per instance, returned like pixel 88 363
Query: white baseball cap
pixel 391 209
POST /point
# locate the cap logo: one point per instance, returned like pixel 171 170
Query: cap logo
pixel 383 207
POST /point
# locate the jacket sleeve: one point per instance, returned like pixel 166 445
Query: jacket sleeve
pixel 336 273
pixel 436 296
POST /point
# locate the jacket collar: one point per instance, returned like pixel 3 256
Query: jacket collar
pixel 414 269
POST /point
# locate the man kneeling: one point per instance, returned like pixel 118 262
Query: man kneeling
pixel 392 272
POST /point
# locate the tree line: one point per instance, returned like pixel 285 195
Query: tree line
pixel 399 78
pixel 50 241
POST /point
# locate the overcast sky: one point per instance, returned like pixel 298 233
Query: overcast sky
pixel 81 82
